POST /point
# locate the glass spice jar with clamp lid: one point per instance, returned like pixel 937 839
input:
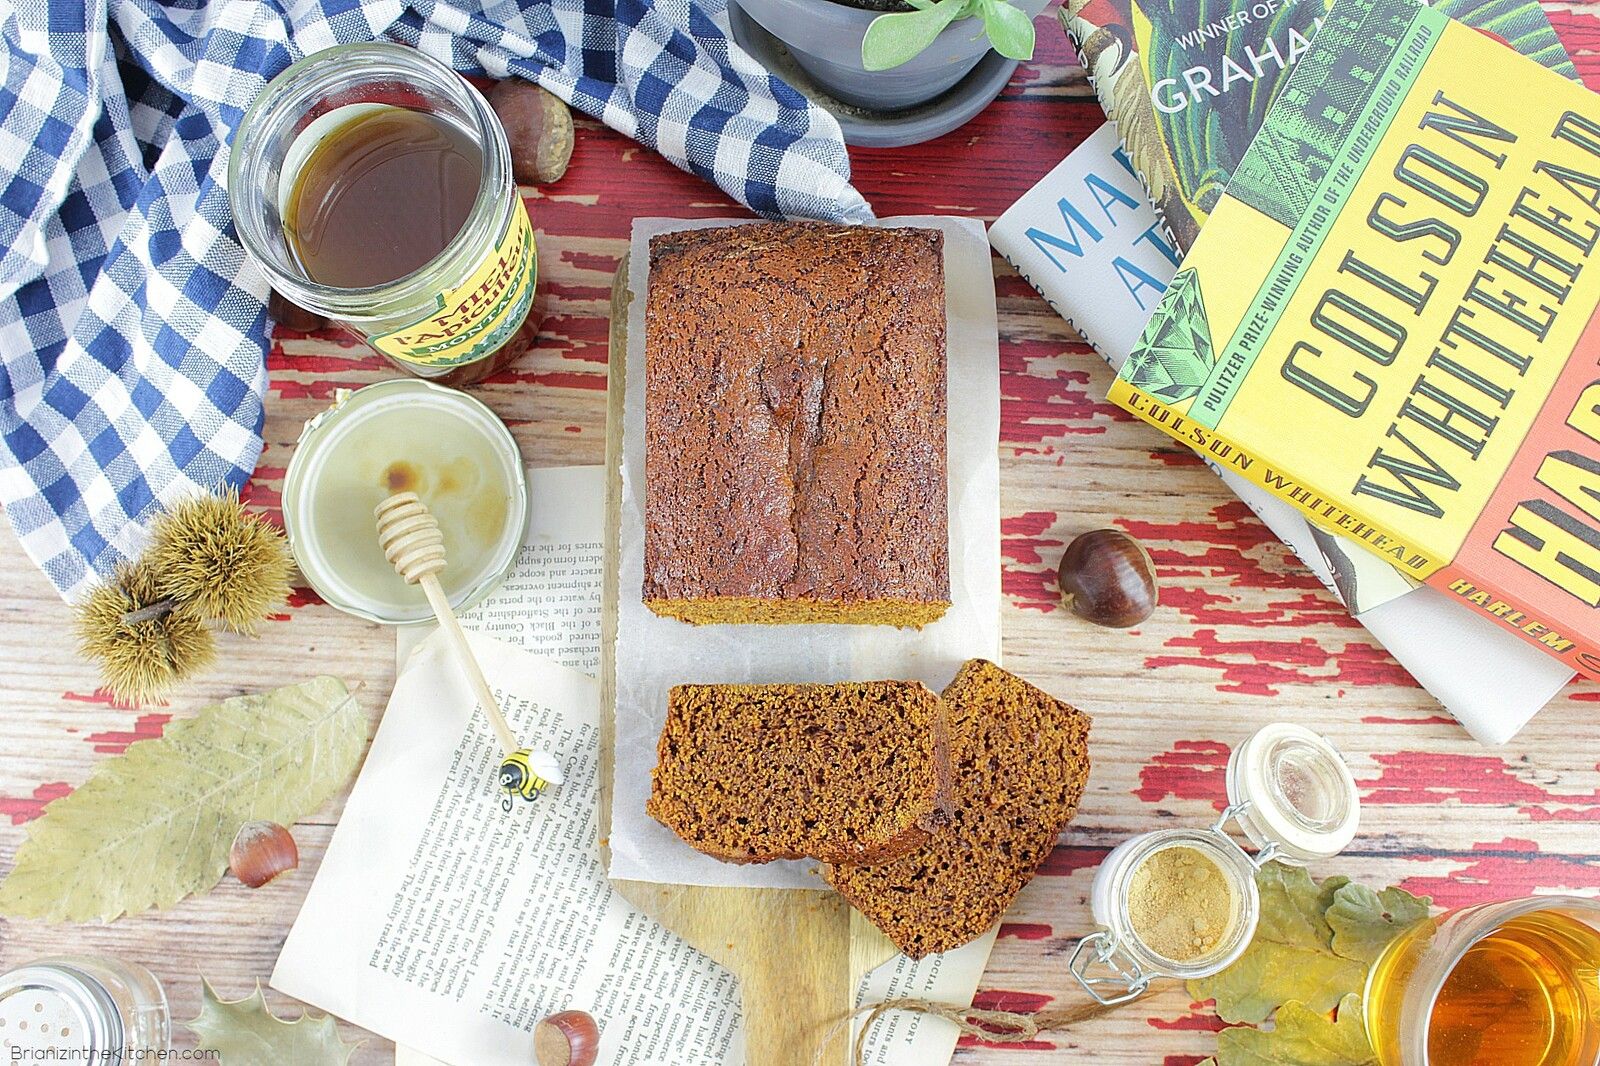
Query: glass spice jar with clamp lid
pixel 1183 903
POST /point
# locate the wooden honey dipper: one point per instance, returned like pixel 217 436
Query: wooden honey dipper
pixel 412 542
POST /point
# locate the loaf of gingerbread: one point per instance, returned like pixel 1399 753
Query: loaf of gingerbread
pixel 795 404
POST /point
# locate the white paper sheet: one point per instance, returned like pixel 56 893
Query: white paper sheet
pixel 653 653
pixel 442 922
pixel 1087 238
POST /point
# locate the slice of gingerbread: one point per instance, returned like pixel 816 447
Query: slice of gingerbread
pixel 857 772
pixel 1021 760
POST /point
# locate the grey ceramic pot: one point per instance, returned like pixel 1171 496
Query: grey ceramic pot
pixel 825 40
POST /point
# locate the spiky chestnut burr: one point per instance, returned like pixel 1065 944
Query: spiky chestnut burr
pixel 218 562
pixel 142 645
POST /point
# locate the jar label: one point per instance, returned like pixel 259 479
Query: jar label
pixel 479 315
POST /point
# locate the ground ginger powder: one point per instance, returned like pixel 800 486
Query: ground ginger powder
pixel 1180 903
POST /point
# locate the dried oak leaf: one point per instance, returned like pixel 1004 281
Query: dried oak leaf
pixel 1301 1036
pixel 245 1033
pixel 1291 957
pixel 155 824
pixel 1364 921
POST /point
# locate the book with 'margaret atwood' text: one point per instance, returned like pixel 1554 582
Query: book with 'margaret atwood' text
pixel 1188 82
pixel 1389 319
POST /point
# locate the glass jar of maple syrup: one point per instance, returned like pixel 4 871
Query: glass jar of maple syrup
pixel 373 185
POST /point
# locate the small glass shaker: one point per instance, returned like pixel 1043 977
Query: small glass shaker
pixel 1292 797
pixel 82 1008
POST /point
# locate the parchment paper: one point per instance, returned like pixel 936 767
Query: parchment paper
pixel 653 653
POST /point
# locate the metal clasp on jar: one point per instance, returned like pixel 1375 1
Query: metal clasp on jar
pixel 1122 972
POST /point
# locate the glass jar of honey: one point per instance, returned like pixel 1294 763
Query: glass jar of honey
pixel 373 185
pixel 1183 903
pixel 1514 983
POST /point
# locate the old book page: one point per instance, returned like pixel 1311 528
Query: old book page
pixel 448 924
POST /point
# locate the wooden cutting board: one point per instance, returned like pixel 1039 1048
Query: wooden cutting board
pixel 799 955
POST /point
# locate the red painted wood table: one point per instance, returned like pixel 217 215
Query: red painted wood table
pixel 1244 634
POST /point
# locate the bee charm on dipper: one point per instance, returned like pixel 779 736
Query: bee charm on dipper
pixel 410 538
pixel 527 773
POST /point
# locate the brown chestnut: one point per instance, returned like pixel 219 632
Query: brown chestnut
pixel 262 851
pixel 289 314
pixel 1107 578
pixel 538 129
pixel 571 1038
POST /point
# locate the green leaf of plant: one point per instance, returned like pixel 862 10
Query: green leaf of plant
pixel 1364 921
pixel 154 825
pixel 1010 29
pixel 897 38
pixel 246 1033
pixel 1291 956
pixel 1301 1037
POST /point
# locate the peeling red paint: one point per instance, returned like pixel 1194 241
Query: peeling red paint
pixel 556 379
pixel 1505 870
pixel 605 264
pixel 1016 1003
pixel 21 810
pixel 115 742
pixel 1025 931
pixel 1066 859
pixel 1042 400
pixel 1027 579
pixel 1201 1018
pixel 1190 770
pixel 100 697
pixel 1175 457
pixel 1429 719
pixel 1264 667
pixel 1426 777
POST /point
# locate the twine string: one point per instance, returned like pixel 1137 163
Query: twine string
pixel 990 1026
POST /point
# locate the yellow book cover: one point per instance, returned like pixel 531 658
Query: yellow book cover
pixel 1388 320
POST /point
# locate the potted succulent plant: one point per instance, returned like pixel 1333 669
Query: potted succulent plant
pixel 885 55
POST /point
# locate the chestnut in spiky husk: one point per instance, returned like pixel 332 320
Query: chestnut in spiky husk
pixel 219 562
pixel 143 645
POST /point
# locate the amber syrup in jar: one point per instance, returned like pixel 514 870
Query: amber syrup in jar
pixel 373 184
pixel 1500 984
pixel 380 197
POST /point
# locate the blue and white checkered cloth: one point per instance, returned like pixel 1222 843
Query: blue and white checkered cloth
pixel 132 332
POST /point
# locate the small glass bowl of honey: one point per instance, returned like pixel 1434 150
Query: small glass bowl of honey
pixel 373 186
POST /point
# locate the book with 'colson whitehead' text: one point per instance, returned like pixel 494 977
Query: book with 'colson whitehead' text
pixel 1389 320
pixel 1188 82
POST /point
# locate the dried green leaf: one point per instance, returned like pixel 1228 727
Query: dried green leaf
pixel 246 1033
pixel 1301 1037
pixel 154 825
pixel 1291 956
pixel 1364 921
